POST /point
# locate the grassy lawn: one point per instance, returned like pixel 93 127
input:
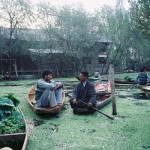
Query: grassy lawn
pixel 129 131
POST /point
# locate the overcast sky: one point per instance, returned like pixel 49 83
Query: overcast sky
pixel 88 5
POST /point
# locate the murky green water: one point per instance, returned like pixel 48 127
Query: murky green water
pixel 67 131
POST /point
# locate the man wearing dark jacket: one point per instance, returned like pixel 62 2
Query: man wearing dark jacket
pixel 84 96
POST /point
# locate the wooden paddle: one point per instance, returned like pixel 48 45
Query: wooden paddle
pixel 112 118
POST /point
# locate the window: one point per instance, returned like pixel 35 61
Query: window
pixel 101 60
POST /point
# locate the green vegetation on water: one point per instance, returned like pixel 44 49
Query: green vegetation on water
pixel 129 131
pixel 11 122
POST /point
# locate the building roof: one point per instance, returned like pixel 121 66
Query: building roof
pixel 102 39
pixel 41 34
pixel 46 51
pixel 31 34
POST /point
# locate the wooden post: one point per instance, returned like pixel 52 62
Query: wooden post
pixel 112 85
pixel 15 66
pixel 2 67
pixel 9 69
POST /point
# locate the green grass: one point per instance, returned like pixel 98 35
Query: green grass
pixel 130 131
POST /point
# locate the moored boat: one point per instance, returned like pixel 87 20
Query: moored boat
pixel 144 88
pixel 31 98
pixel 103 92
pixel 17 140
pixel 124 81
pixel 92 79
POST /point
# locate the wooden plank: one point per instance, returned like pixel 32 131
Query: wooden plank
pixel 15 136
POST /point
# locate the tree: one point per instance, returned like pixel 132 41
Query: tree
pixel 140 19
pixel 76 25
pixel 69 30
pixel 47 14
pixel 140 14
pixel 114 24
pixel 14 14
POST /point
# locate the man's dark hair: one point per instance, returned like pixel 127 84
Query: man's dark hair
pixel 142 69
pixel 46 72
pixel 85 73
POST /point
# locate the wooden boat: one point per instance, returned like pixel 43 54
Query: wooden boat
pixel 102 88
pixel 103 92
pixel 124 81
pixel 144 88
pixel 15 140
pixel 41 110
pixel 92 79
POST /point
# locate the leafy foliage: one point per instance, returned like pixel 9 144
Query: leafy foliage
pixel 11 120
pixel 14 14
pixel 5 102
pixel 140 13
pixel 13 98
pixel 6 108
pixel 127 78
pixel 14 124
pixel 114 24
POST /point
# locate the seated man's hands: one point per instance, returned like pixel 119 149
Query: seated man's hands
pixel 74 101
pixel 58 85
pixel 90 104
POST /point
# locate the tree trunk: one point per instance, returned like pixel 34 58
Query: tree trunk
pixel 112 60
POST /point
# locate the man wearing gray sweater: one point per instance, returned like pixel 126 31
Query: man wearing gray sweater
pixel 48 93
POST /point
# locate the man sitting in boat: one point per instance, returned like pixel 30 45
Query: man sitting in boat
pixel 84 96
pixel 142 77
pixel 48 93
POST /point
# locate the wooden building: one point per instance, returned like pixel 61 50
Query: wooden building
pixel 98 61
pixel 37 57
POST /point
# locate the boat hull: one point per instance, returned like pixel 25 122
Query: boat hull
pixel 15 140
pixel 103 92
pixel 31 97
pixel 123 81
pixel 145 88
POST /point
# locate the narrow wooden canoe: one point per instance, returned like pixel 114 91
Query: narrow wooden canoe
pixel 103 92
pixel 102 88
pixel 31 97
pixel 89 78
pixel 17 140
pixel 123 81
pixel 144 88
